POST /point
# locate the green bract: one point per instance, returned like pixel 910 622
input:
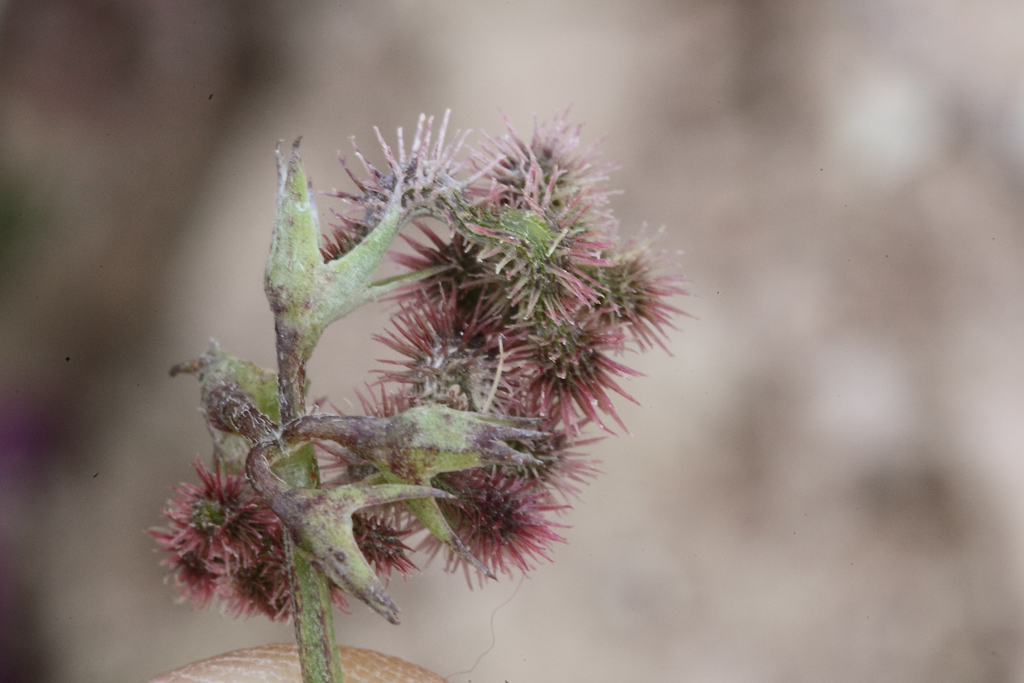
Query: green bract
pixel 531 228
pixel 420 443
pixel 306 293
pixel 320 522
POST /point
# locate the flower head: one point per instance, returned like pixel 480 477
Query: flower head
pixel 501 518
pixel 224 543
pixel 549 175
pixel 560 468
pixel 380 541
pixel 383 401
pixel 464 360
pixel 636 294
pixel 531 304
pixel 573 373
pixel 421 182
pixel 546 273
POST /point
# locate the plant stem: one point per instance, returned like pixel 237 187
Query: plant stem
pixel 306 295
pixel 292 355
pixel 314 622
pixel 310 590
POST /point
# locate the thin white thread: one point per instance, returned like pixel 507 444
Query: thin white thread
pixel 554 244
pixel 494 640
pixel 497 378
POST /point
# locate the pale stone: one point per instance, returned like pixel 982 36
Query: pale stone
pixel 279 663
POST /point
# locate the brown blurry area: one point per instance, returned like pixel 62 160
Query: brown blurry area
pixel 823 480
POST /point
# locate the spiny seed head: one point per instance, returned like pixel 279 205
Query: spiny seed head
pixel 421 180
pixel 225 544
pixel 450 358
pixel 259 588
pixel 383 401
pixel 572 373
pixel 531 259
pixel 548 175
pixel 501 518
pixel 636 292
pixel 543 272
pixel 559 468
pixel 536 251
pixel 381 544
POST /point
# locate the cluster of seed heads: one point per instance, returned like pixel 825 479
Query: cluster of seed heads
pixel 506 338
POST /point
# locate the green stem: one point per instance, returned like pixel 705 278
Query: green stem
pixel 292 353
pixel 314 621
pixel 310 589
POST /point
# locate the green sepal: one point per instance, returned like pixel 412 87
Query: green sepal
pixel 429 514
pixel 389 284
pixel 323 528
pixel 305 293
pixel 217 365
pixel 423 441
pixel 320 522
pixel 416 445
pixel 295 247
pixel 448 440
pixel 432 439
pixel 298 467
pixel 530 227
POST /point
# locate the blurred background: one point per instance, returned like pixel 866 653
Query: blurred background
pixel 824 480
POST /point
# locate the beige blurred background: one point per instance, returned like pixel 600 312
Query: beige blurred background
pixel 824 481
